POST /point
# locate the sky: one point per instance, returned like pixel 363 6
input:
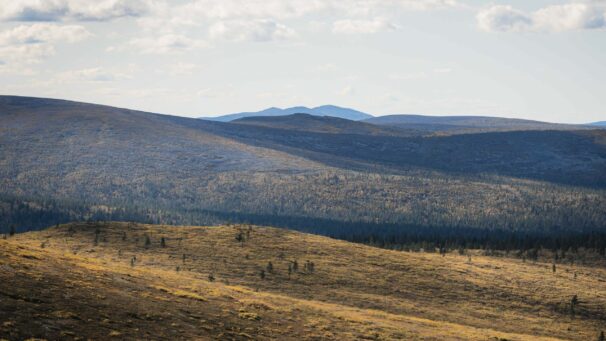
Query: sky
pixel 540 59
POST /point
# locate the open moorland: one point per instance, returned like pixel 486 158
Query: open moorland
pixel 130 281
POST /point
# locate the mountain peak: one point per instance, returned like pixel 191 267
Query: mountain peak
pixel 324 110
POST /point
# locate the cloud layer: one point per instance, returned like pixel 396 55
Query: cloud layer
pixel 32 43
pixel 555 18
pixel 60 10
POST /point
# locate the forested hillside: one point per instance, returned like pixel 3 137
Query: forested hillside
pixel 63 161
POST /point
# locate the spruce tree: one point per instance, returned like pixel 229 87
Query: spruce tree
pixel 240 238
pixel 573 303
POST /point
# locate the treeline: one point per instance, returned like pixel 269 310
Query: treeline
pixel 26 215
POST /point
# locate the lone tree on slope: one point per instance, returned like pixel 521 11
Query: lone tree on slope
pixel 240 238
pixel 573 303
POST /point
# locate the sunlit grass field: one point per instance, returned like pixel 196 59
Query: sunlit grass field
pixel 133 281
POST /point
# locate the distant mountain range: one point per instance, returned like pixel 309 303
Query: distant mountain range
pixel 411 123
pixel 325 110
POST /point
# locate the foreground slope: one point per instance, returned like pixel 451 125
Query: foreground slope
pixel 81 281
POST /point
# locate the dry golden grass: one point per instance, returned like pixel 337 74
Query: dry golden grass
pixel 72 288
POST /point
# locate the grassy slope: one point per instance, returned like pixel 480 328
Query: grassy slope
pixel 70 287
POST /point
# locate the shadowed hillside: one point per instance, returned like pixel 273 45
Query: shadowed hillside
pixel 63 161
pixel 570 157
pixel 135 281
pixel 466 124
pixel 321 124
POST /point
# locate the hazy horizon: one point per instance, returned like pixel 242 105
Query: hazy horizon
pixel 305 106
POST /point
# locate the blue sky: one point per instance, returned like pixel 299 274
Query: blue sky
pixel 543 60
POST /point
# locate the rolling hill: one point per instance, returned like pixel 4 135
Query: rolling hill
pixel 62 161
pixel 325 110
pixel 132 281
pixel 466 124
pixel 321 124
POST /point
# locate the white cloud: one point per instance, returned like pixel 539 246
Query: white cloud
pixel 574 16
pixel 42 33
pixel 32 43
pixel 287 9
pixel 554 18
pixel 350 26
pixel 503 18
pixel 26 54
pixel 167 43
pixel 230 19
pixel 58 10
pixel 95 74
pixel 252 9
pixel 250 30
pixel 381 7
